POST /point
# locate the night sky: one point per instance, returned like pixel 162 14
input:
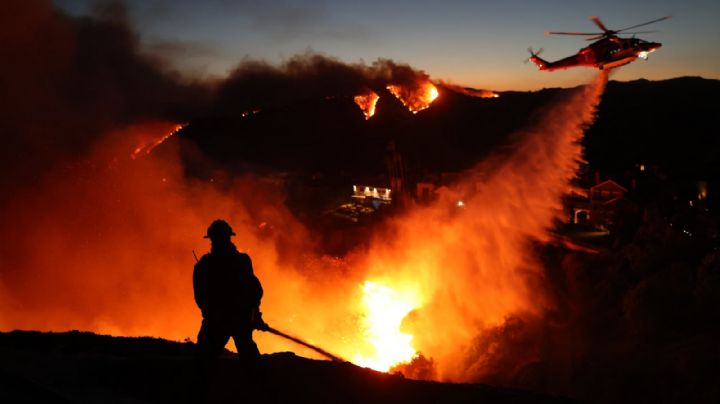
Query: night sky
pixel 475 43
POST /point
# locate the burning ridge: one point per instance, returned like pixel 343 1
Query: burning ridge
pixel 256 84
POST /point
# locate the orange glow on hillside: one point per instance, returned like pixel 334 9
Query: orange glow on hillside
pixel 367 103
pixel 148 142
pixel 416 97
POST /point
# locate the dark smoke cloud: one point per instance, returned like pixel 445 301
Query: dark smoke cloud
pixel 66 80
pixel 256 84
pixel 66 84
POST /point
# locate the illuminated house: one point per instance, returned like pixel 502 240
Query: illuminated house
pixel 374 195
pixel 595 205
pixel 606 192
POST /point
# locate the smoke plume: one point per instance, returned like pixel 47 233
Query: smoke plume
pixel 66 81
pixel 257 84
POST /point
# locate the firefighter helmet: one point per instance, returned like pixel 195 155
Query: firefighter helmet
pixel 219 228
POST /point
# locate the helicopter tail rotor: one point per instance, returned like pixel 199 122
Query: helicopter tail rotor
pixel 540 63
pixel 533 54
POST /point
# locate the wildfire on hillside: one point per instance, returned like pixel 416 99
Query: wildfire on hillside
pixel 367 103
pixel 416 97
pixel 148 141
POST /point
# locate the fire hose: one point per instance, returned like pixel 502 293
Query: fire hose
pixel 303 343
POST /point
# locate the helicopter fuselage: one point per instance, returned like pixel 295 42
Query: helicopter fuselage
pixel 606 53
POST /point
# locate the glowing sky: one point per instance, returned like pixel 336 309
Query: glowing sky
pixel 475 43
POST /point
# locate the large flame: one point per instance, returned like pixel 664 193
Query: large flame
pixel 416 97
pixel 367 103
pixel 385 310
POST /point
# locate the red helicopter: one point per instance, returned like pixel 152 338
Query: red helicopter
pixel 607 52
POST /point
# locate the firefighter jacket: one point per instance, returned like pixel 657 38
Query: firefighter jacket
pixel 225 286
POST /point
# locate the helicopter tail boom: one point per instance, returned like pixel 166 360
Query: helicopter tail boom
pixel 539 62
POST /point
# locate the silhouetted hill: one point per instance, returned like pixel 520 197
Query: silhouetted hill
pixel 331 135
pixel 83 367
pixel 670 123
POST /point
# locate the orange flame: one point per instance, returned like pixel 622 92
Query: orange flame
pixel 367 103
pixel 417 97
pixel 385 310
pixel 148 144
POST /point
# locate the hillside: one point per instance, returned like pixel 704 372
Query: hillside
pixel 83 367
pixel 669 123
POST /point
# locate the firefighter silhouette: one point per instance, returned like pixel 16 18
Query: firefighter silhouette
pixel 228 294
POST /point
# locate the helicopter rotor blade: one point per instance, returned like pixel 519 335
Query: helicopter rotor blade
pixel 607 32
pixel 608 35
pixel 645 23
pixel 640 32
pixel 533 53
pixel 599 23
pixel 572 33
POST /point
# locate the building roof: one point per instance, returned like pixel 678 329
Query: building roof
pixel 608 185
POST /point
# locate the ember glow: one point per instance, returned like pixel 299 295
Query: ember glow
pixel 416 97
pixel 385 310
pixel 367 103
pixel 148 141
